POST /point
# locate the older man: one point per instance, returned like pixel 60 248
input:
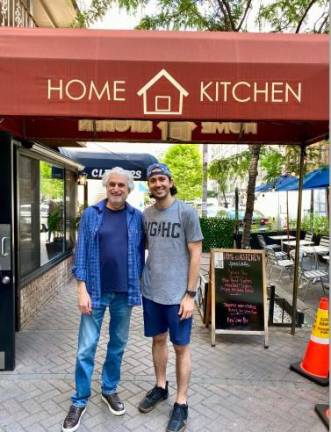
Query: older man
pixel 108 265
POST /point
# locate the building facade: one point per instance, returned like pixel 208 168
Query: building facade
pixel 38 201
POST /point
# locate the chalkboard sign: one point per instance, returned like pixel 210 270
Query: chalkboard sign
pixel 238 292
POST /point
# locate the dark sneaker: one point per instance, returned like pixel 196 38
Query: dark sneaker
pixel 114 403
pixel 72 421
pixel 178 418
pixel 152 398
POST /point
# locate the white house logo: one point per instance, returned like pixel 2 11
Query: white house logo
pixel 163 95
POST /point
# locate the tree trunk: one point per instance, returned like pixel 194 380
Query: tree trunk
pixel 204 179
pixel 252 174
pixel 311 212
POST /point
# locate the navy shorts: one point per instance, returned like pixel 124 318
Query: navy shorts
pixel 159 318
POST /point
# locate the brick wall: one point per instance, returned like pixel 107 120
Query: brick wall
pixel 40 291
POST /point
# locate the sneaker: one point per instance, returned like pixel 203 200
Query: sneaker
pixel 152 398
pixel 72 421
pixel 178 418
pixel 114 403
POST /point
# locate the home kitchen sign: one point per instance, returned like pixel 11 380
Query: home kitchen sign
pixel 164 95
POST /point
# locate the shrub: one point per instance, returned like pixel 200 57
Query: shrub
pixel 217 233
pixel 320 224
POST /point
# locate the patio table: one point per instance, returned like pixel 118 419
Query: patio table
pixel 281 237
pixel 292 243
pixel 313 250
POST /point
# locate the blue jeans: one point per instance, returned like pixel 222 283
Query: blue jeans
pixel 89 333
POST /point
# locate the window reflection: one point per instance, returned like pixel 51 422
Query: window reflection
pixel 51 211
pixel 71 200
pixel 28 216
pixel 46 193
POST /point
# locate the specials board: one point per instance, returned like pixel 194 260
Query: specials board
pixel 238 293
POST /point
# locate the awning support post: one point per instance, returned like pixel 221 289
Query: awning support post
pixel 297 241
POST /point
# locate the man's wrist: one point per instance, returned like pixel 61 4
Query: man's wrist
pixel 191 293
pixel 81 285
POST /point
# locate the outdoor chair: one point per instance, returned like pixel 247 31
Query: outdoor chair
pixel 309 237
pixel 266 246
pixel 324 242
pixel 309 274
pixel 279 261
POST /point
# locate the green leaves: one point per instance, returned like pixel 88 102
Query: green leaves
pixel 185 163
pixel 218 15
pixel 295 16
pixel 217 233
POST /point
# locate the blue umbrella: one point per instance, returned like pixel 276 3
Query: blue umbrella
pixel 317 179
pixel 264 187
pixel 279 183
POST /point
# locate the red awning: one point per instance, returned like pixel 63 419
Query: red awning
pixel 218 86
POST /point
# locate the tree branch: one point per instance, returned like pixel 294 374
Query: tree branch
pixel 325 20
pixel 304 15
pixel 227 7
pixel 244 15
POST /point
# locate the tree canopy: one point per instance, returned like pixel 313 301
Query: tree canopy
pixel 185 163
pixel 219 15
pixel 274 162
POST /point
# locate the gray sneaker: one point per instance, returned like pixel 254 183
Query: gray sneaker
pixel 114 403
pixel 152 398
pixel 178 418
pixel 72 421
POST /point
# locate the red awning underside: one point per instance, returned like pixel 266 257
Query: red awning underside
pixel 52 78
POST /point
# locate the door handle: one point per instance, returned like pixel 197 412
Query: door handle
pixel 3 246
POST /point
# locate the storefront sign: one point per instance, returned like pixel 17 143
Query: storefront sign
pixel 164 76
pixel 164 95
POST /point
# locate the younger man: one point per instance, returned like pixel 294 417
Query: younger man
pixel 169 283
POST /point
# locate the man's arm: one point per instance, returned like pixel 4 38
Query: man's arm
pixel 79 270
pixel 187 304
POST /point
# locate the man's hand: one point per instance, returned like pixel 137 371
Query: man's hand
pixel 186 307
pixel 84 299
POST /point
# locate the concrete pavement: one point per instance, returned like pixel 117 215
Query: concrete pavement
pixel 236 386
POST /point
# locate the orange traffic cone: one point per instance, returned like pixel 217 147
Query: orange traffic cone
pixel 315 364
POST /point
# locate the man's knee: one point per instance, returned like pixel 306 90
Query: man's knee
pixel 181 349
pixel 160 339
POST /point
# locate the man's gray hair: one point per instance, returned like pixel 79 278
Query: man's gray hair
pixel 121 171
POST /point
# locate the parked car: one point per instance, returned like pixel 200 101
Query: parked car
pixel 259 220
pixel 212 208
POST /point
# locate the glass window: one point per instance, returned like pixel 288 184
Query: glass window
pixel 46 212
pixel 51 211
pixel 28 215
pixel 70 209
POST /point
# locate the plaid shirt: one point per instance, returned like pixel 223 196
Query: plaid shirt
pixel 87 255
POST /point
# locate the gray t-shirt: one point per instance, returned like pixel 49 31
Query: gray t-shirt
pixel 168 231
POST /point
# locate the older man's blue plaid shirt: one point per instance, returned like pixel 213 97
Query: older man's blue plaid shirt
pixel 87 255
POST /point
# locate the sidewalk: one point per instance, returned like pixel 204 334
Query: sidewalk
pixel 236 386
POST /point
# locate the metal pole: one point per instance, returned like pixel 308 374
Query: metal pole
pixel 236 206
pixel 86 194
pixel 204 179
pixel 287 223
pixel 297 242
